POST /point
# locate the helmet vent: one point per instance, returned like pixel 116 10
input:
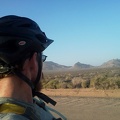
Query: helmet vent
pixel 22 43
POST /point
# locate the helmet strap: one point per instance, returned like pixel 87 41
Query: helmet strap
pixel 39 59
pixel 23 77
pixel 26 79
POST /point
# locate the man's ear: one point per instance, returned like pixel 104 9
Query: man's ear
pixel 30 68
pixel 33 63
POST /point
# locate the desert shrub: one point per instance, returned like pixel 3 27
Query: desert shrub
pixel 92 83
pixel 117 82
pixel 76 81
pixel 63 85
pixel 44 82
pixel 85 83
pixel 70 85
pixel 105 82
pixel 96 78
pixel 52 84
pixel 101 83
pixel 68 77
pixel 66 85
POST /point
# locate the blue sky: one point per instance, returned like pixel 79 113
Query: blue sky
pixel 87 31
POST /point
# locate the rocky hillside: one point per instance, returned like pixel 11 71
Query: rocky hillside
pixel 49 65
pixel 79 65
pixel 112 63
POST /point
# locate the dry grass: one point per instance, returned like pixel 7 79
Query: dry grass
pixel 90 92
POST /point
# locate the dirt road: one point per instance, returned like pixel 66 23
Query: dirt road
pixel 88 107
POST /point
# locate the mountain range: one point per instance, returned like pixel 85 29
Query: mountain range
pixel 49 65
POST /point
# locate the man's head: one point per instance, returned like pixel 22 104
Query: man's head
pixel 20 39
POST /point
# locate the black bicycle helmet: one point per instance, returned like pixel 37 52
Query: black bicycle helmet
pixel 18 37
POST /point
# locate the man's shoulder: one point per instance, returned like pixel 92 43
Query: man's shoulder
pixel 12 116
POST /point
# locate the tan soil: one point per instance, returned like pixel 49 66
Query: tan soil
pixel 90 92
pixel 86 104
